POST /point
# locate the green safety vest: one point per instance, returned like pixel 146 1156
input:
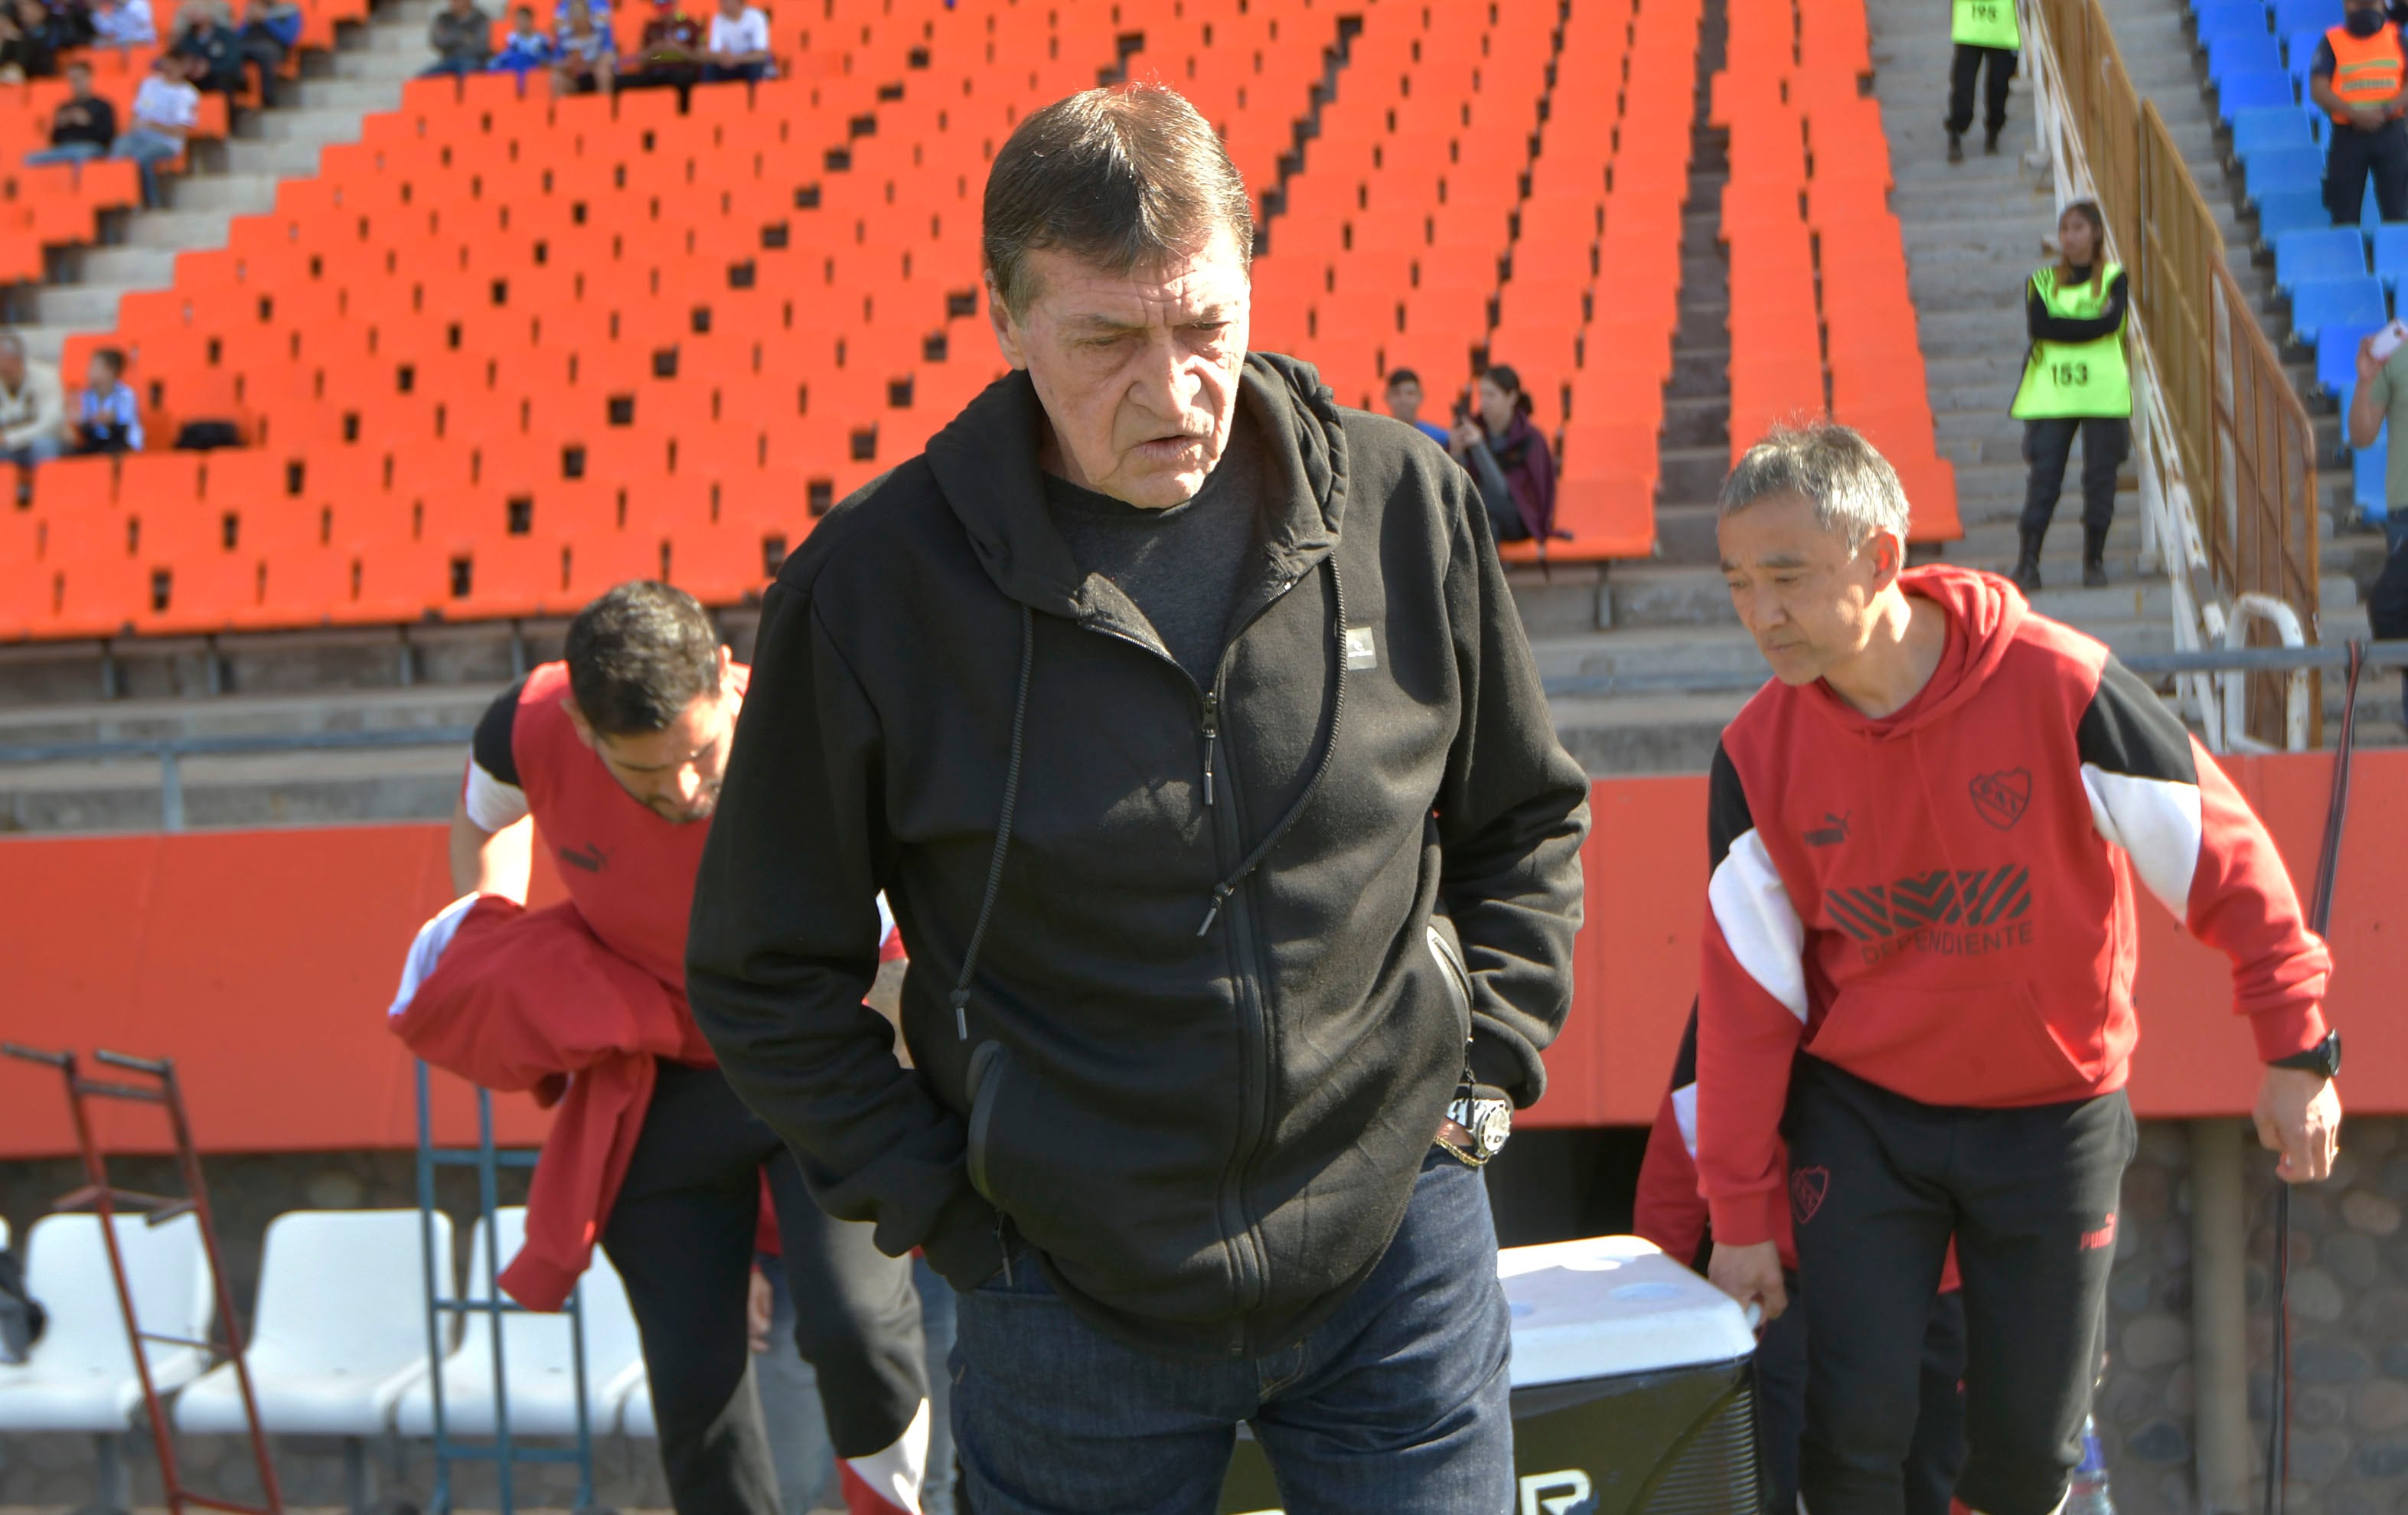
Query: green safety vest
pixel 1985 23
pixel 2075 379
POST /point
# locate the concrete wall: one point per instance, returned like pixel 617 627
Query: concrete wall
pixel 2349 1356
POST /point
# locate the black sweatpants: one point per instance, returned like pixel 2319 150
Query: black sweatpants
pixel 2387 603
pixel 682 1235
pixel 1968 64
pixel 1878 1184
pixel 2106 441
pixel 1937 1454
pixel 2354 154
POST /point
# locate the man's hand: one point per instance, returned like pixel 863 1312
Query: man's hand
pixel 1750 1274
pixel 2368 118
pixel 2298 1115
pixel 2368 364
pixel 757 1313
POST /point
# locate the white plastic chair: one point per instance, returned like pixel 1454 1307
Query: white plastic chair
pixel 339 1332
pixel 537 1357
pixel 81 1375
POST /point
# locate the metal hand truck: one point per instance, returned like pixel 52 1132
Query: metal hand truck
pixel 105 1200
pixel 500 1448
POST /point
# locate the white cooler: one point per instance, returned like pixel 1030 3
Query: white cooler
pixel 1631 1390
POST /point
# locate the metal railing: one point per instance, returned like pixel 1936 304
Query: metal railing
pixel 2223 445
pixel 171 751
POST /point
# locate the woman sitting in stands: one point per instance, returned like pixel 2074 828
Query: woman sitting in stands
pixel 2074 381
pixel 1508 457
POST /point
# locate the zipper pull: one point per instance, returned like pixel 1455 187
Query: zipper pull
pixel 1220 892
pixel 961 1016
pixel 1212 740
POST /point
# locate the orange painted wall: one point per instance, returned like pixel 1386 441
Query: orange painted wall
pixel 263 962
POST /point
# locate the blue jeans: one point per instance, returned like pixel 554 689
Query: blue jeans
pixel 65 153
pixel 147 149
pixel 1395 1406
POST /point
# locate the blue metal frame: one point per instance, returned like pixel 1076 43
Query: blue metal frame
pixel 499 1449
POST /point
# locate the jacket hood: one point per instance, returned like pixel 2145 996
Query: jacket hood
pixel 985 465
pixel 1984 613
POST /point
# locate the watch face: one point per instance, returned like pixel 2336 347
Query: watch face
pixel 1492 1122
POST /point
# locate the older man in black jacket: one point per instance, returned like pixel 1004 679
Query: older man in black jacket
pixel 1186 721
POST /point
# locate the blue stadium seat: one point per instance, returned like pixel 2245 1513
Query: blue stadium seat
pixel 2269 127
pixel 2225 17
pixel 2282 212
pixel 2253 90
pixel 2300 51
pixel 2286 168
pixel 2307 15
pixel 2337 361
pixel 2243 52
pixel 2334 253
pixel 2368 465
pixel 2319 303
pixel 2391 252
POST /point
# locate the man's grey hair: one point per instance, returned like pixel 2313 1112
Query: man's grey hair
pixel 1124 177
pixel 1854 490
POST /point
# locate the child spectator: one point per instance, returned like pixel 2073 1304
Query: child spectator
pixel 84 125
pixel 122 23
pixel 166 109
pixel 583 58
pixel 107 419
pixel 525 50
pixel 1405 404
pixel 739 44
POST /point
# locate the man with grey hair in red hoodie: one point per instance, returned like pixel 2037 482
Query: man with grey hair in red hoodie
pixel 1920 944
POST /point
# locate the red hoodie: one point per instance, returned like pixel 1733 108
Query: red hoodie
pixel 1940 901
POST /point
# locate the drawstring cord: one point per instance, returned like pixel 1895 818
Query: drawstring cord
pixel 961 996
pixel 1222 890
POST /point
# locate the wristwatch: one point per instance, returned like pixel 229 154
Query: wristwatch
pixel 2323 1060
pixel 1477 1124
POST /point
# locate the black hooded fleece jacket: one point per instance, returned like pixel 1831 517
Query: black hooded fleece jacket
pixel 1244 938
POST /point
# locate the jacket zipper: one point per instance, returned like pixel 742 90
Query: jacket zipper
pixel 1254 1103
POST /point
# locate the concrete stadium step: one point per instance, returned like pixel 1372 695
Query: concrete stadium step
pixel 1646 734
pixel 157 719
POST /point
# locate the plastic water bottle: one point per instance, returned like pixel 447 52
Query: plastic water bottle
pixel 2089 1495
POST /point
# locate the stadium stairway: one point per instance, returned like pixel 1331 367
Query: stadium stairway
pixel 235 177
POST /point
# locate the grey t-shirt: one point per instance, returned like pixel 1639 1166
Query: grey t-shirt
pixel 1181 567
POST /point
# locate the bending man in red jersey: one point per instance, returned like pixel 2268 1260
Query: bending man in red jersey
pixel 615 753
pixel 1920 946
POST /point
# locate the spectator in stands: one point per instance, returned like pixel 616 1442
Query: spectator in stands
pixel 166 109
pixel 739 46
pixel 669 53
pixel 270 30
pixel 2381 399
pixel 83 126
pixel 108 418
pixel 1405 404
pixel 30 40
pixel 461 36
pixel 204 38
pixel 2074 382
pixel 601 13
pixel 1509 458
pixel 584 58
pixel 122 23
pixel 33 408
pixel 1160 1221
pixel 2360 76
pixel 525 49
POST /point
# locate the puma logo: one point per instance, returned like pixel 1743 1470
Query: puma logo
pixel 591 858
pixel 1833 830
